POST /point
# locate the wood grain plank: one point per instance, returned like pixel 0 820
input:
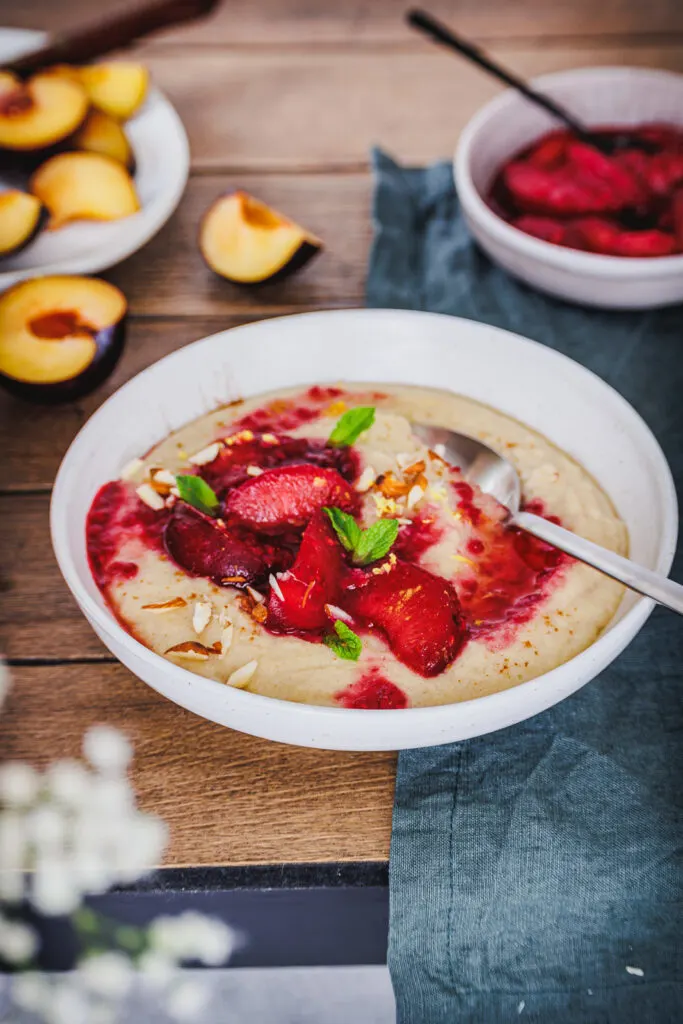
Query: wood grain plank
pixel 36 437
pixel 297 22
pixel 228 798
pixel 169 277
pixel 285 110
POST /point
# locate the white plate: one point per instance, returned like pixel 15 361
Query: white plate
pixel 537 385
pixel 162 156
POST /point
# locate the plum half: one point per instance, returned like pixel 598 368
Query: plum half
pixel 247 242
pixel 117 89
pixel 84 186
pixel 59 336
pixel 21 218
pixel 102 134
pixel 37 114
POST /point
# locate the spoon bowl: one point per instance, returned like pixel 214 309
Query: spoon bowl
pixel 495 475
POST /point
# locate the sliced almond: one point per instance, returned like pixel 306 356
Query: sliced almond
pixel 404 459
pixel 201 616
pixel 175 492
pixel 255 595
pixel 275 587
pixel 206 455
pixel 333 612
pixel 242 676
pixel 163 476
pixel 226 637
pixel 131 469
pixel 415 494
pixel 254 471
pixel 191 650
pixel 366 480
pixel 149 496
pixel 404 522
pixel 165 606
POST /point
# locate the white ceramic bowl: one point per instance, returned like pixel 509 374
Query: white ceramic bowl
pixel 599 96
pixel 567 403
pixel 162 157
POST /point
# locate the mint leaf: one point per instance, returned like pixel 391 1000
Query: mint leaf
pixel 365 546
pixel 376 541
pixel 352 424
pixel 196 492
pixel 344 642
pixel 346 528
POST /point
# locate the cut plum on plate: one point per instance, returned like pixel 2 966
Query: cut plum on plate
pixel 297 603
pixel 247 242
pixel 84 186
pixel 103 134
pixel 35 115
pixel 117 88
pixel 21 218
pixel 59 336
pixel 418 612
pixel 206 547
pixel 286 498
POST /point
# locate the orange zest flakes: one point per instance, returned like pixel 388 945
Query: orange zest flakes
pixel 307 593
pixel 240 438
pixel 165 606
pixel 336 408
pixel 259 613
pixel 232 579
pixel 391 487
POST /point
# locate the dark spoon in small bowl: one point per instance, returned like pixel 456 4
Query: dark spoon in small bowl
pixel 606 142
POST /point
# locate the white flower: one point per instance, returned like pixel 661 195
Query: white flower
pixel 109 975
pixel 68 781
pixel 31 991
pixel 67 1005
pixel 91 871
pixel 12 886
pixel 111 797
pixel 140 848
pixel 107 749
pixel 13 840
pixel 156 968
pixel 46 827
pixel 186 1000
pixel 193 936
pixel 54 890
pixel 18 941
pixel 19 784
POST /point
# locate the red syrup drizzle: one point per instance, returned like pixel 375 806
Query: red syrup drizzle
pixel 415 540
pixel 514 573
pixel 116 516
pixel 372 692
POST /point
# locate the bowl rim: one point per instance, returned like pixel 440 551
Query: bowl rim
pixel 589 263
pixel 609 644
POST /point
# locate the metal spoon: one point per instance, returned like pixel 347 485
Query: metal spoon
pixel 488 470
pixel 606 142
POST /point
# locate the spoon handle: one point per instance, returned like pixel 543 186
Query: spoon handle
pixel 440 33
pixel 644 581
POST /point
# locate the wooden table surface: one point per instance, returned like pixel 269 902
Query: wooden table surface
pixel 282 98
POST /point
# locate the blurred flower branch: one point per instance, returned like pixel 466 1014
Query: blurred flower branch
pixel 72 831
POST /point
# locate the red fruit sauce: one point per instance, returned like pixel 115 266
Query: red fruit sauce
pixel 511 572
pixel 117 516
pixel 629 203
pixel 372 691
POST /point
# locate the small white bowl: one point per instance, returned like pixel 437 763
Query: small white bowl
pixel 162 157
pixel 548 391
pixel 599 96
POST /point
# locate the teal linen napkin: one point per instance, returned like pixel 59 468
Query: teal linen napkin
pixel 531 868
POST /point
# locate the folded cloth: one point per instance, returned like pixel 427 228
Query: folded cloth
pixel 535 873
